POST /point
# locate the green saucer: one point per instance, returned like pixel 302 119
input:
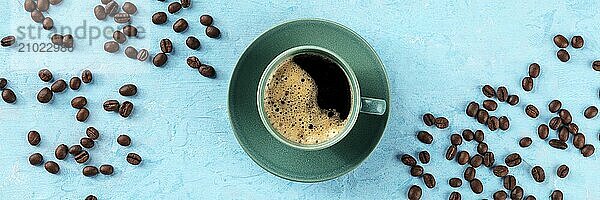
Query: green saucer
pixel 278 158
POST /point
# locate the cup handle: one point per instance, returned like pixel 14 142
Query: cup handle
pixel 373 106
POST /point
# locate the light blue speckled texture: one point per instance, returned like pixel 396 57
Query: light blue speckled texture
pixel 437 54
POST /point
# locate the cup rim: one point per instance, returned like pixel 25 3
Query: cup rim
pixel 350 76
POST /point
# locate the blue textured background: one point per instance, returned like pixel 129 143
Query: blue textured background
pixel 437 54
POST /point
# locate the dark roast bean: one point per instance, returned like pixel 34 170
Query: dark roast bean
pixel 100 12
pixel 563 55
pixel 8 96
pixel 29 5
pixel 8 41
pixel 469 174
pixel 488 159
pixel 82 157
pixel 488 91
pixel 82 115
pixel 125 140
pixel 554 106
pixel 92 133
pixel 209 72
pixel 502 94
pixel 159 18
pixel 500 195
pixel 558 144
pixel 455 139
pixel 119 37
pixel 455 182
pixel 513 159
pixel 429 180
pixel 590 112
pixel 206 20
pixel 68 41
pixel 565 116
pixel 527 84
pixel 134 159
pixel 174 7
pixel 180 25
pixel 48 23
pixel 451 152
pixel 573 128
pixel 45 95
pixel 504 123
pixel 195 63
pixel 424 157
pixel 428 118
pixel 517 193
pixel 532 111
pixel 192 43
pixel 463 157
pixel 482 116
pixel 52 167
pixel 36 159
pixel 186 3
pixel 479 136
pixel 440 122
pixel 476 161
pixel 34 138
pixel 556 195
pixel 578 140
pixel 3 83
pixel 128 90
pixel 61 152
pixel 455 196
pixel 87 142
pixel 86 76
pixel 131 52
pixel 468 135
pixel 129 8
pixel 563 134
pixel 90 171
pixel 111 8
pixel 416 171
pixel 75 149
pixel 530 197
pixel 56 39
pixel 91 197
pixel 490 105
pixel 166 46
pixel 45 75
pixel 37 16
pixel 538 174
pixel 555 123
pixel 213 32
pixel 408 160
pixel 509 182
pixel 142 55
pixel 577 42
pixel 106 169
pixel 512 100
pixel 561 41
pixel 111 46
pixel 75 83
pixel 79 102
pixel 111 105
pixel 472 109
pixel 160 59
pixel 587 150
pixel 493 123
pixel 425 137
pixel 414 193
pixel 126 109
pixel 562 171
pixel 596 65
pixel 43 5
pixel 534 70
pixel 543 131
pixel 525 142
pixel 130 31
pixel 482 148
pixel 59 86
pixel 476 186
pixel 500 170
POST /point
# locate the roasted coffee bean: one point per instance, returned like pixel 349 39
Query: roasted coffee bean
pixel 525 142
pixel 472 109
pixel 530 197
pixel 488 159
pixel 455 196
pixel 538 174
pixel 119 37
pixel 34 138
pixel 195 63
pixel 209 72
pixel 500 195
pixel 425 137
pixel 106 169
pixel 8 96
pixel 578 140
pixel 159 18
pixel 512 100
pixel 414 193
pixel 45 75
pixel 573 128
pixel 469 174
pixel 455 182
pixel 82 115
pixel 468 135
pixel 56 39
pixel 59 86
pixel 482 148
pixel 429 180
pixel 213 32
pixel 440 122
pixel 500 170
pixel 61 152
pixel 129 8
pixel 534 70
pixel 516 193
pixel 502 94
pixel 562 171
pixel 128 90
pixel 126 109
pixel 476 186
pixel 476 161
pixel 68 41
pixel 561 41
pixel 463 157
pixel 590 112
pixel 192 43
pixel 82 157
pixel 532 111
pixel 558 144
pixel 428 118
pixel 87 142
pixel 504 123
pixel 8 41
pixel 479 136
pixel 180 25
pixel 406 159
pixel 565 116
pixel 52 167
pixel 416 171
pixel 160 59
pixel 527 84
pixel 91 197
pixel 90 171
pixel 563 55
pixel 563 134
pixel 543 131
pixel 554 106
pixel 509 182
pixel 86 76
pixel 55 2
pixel 482 116
pixel 490 105
pixel 131 52
pixel 455 139
pixel 36 159
pixel 186 3
pixel 43 5
pixel 166 46
pixel 130 31
pixel 3 83
pixel 100 12
pixel 451 152
pixel 424 157
pixel 79 102
pixel 125 140
pixel 596 65
pixel 45 95
pixel 75 149
pixel 37 16
pixel 555 123
pixel 134 159
pixel 29 5
pixel 493 123
pixel 75 83
pixel 174 7
pixel 488 91
pixel 556 195
pixel 513 159
pixel 577 42
pixel 587 150
pixel 48 23
pixel 112 8
pixel 111 105
pixel 206 20
pixel 142 55
pixel 111 46
pixel 92 133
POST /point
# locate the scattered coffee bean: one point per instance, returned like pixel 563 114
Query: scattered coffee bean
pixel 424 157
pixel 209 72
pixel 36 159
pixel 122 18
pixel 573 128
pixel 472 109
pixel 45 75
pixel 513 100
pixel 59 86
pixel 476 161
pixel 192 43
pixel 87 143
pixel 532 111
pixel 56 39
pixel 166 46
pixel 48 23
pixel 131 52
pixel 142 55
pixel 86 76
pixel 490 105
pixel 476 186
pixel 429 180
pixel 45 95
pixel 128 90
pixel 180 25
pixel 29 5
pixel 34 138
pixel 129 8
pixel 596 65
pixel 488 91
pixel 527 84
pixel 509 182
pixel 562 171
pixel 504 123
pixel 125 140
pixel 186 3
pixel 213 32
pixel 159 18
pixel 174 7
pixel 52 167
pixel 130 31
pixel 455 139
pixel 134 159
pixel 111 105
pixel 414 193
pixel 538 174
pixel 502 94
pixel 563 134
pixel 500 195
pixel 451 152
pixel 68 41
pixel 82 157
pixel 416 171
pixel 79 102
pixel 43 5
pixel 500 170
pixel 8 41
pixel 3 83
pixel 92 133
pixel 565 116
pixel 160 59
pixel 91 197
pixel 513 159
pixel 195 63
pixel 37 16
pixel 561 41
pixel 119 37
pixel 468 135
pixel 587 150
pixel 555 123
pixel 82 115
pixel 111 46
pixel 556 195
pixel 455 196
pixel 90 171
pixel 112 8
pixel 493 123
pixel 75 149
pixel 455 182
pixel 106 169
pixel 577 42
pixel 462 157
pixel 425 137
pixel 534 70
pixel 482 116
pixel 61 152
pixel 525 142
pixel 554 106
pixel 126 109
pixel 469 174
pixel 517 193
pixel 8 96
pixel 100 12
pixel 479 136
pixel 440 122
pixel 482 148
pixel 530 197
pixel 206 20
pixel 558 144
pixel 563 55
pixel 578 140
pixel 488 159
pixel 590 112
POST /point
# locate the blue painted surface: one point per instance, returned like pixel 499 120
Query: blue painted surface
pixel 438 55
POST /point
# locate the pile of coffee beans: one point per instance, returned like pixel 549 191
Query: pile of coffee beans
pixel 8 41
pixel 7 94
pixel 561 42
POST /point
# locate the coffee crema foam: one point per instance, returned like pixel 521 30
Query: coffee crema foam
pixel 292 108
